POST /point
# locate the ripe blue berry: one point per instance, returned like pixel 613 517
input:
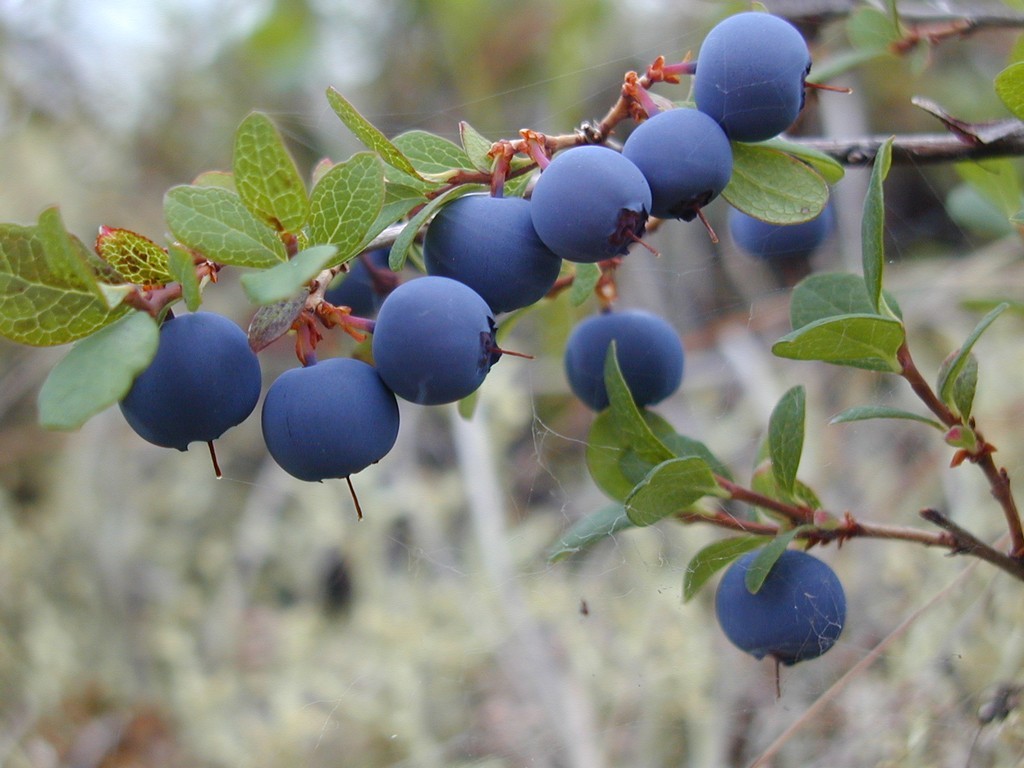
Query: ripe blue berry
pixel 686 159
pixel 363 288
pixel 648 349
pixel 329 420
pixel 204 380
pixel 750 75
pixel 773 242
pixel 797 614
pixel 489 244
pixel 590 204
pixel 434 340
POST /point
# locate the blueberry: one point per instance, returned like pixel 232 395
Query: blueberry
pixel 797 614
pixel 590 204
pixel 329 420
pixel 489 244
pixel 363 288
pixel 750 75
pixel 686 159
pixel 774 242
pixel 203 380
pixel 648 349
pixel 434 340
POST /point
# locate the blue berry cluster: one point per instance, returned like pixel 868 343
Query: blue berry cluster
pixel 434 336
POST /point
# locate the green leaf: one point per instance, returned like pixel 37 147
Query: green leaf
pixel 266 178
pixel 65 255
pixel 772 186
pixel 954 364
pixel 346 203
pixel 216 223
pixel 828 294
pixel 97 372
pixel 286 280
pixel 996 180
pixel 869 29
pixel 866 412
pixel 404 241
pixel 584 282
pixel 713 558
pixel 368 134
pixel 398 202
pixel 873 227
pixel 628 418
pixel 222 179
pixel 829 168
pixel 670 487
pixel 766 558
pixel 477 147
pixel 858 341
pixel 136 258
pixel 786 437
pixel 964 387
pixel 763 482
pixel 431 155
pixel 831 294
pixel 683 446
pixel 589 530
pixel 611 458
pixel 1009 85
pixel 183 270
pixel 44 302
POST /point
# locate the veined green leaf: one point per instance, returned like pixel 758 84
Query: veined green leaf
pixel 265 175
pixel 766 559
pixel 786 437
pixel 858 341
pixel 183 270
pixel 65 255
pixel 44 303
pixel 477 147
pixel 346 203
pixel 873 227
pixel 284 281
pixel 1009 85
pixel 713 558
pixel 589 530
pixel 829 168
pixel 865 412
pixel 871 30
pixel 368 134
pixel 216 223
pixel 830 294
pixel 773 186
pixel 584 282
pixel 400 248
pixel 97 372
pixel 611 458
pixel 952 367
pixel 670 487
pixel 430 154
pixel 964 387
pixel 136 258
pixel 996 180
pixel 628 418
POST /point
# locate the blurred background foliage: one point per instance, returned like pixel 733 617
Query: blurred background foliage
pixel 153 616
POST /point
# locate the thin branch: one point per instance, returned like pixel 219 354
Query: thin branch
pixel 920 148
pixel 969 544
